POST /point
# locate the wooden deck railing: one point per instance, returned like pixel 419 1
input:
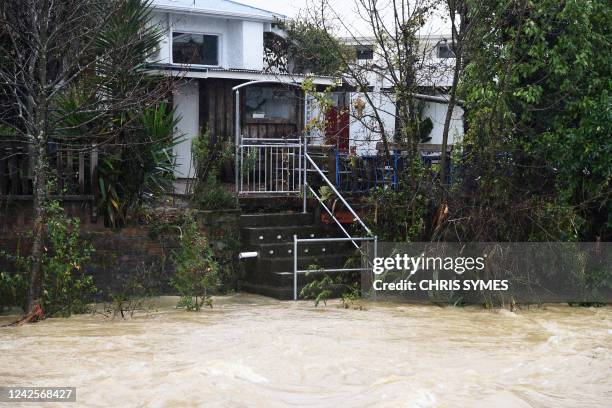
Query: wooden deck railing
pixel 75 171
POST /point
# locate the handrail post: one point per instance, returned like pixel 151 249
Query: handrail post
pixel 295 266
pixel 304 190
pixel 237 142
pixel 305 187
pixel 375 249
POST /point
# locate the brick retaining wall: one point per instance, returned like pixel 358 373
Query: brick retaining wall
pixel 120 253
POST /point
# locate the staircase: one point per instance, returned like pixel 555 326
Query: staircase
pixel 271 236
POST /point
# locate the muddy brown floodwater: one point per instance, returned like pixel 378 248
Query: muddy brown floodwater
pixel 252 351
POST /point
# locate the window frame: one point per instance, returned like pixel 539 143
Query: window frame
pixel 439 46
pixel 368 49
pixel 290 121
pixel 219 47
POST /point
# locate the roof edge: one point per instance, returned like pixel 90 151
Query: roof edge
pixel 217 13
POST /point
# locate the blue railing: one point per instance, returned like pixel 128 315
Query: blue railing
pixel 360 174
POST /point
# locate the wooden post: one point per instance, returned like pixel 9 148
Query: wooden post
pixel 82 173
pixel 93 173
pixel 13 171
pixel 3 181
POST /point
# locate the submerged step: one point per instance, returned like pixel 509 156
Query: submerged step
pixel 279 285
pixel 285 264
pixel 276 219
pixel 271 235
pixel 285 249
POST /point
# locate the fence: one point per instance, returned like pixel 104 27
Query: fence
pixel 360 174
pixel 75 170
pixel 269 166
pixel 77 182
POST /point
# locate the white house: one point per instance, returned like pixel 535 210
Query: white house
pixel 211 46
pixel 434 78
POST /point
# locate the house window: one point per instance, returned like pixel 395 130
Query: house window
pixel 270 104
pixel 444 51
pixel 189 48
pixel 364 52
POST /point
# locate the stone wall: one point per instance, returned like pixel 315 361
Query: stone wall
pixel 144 250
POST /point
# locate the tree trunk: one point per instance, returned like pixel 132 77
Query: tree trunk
pixel 447 120
pixel 39 133
pixel 36 279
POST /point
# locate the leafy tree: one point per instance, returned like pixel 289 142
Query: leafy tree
pixel 537 90
pixel 306 48
pixel 67 289
pixel 72 72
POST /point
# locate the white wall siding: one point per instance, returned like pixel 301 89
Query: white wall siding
pixel 364 140
pixel 234 44
pixel 437 113
pixel 241 42
pixel 365 133
pixel 161 20
pixel 186 105
pixel 252 45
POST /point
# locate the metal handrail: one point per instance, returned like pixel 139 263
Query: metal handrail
pixel 353 240
pixel 297 271
pixel 272 145
pixel 283 139
pixel 333 217
pixel 329 183
pixel 348 236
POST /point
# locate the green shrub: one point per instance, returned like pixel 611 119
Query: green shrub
pixel 212 195
pixel 197 272
pixel 13 290
pixel 135 291
pixel 208 156
pixel 66 288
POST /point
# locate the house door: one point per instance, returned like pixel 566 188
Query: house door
pixel 337 123
pixel 268 147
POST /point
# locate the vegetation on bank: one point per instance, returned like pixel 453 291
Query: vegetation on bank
pixel 536 160
pixel 208 155
pixel 67 289
pixel 87 89
pixel 197 272
pixel 535 163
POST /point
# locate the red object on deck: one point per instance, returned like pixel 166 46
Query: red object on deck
pixel 337 128
pixel 343 216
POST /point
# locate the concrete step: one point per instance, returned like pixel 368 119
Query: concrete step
pixel 285 249
pixel 285 278
pixel 270 235
pixel 281 292
pixel 285 264
pixel 276 219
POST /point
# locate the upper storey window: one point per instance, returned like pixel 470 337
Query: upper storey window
pixel 444 51
pixel 190 48
pixel 364 52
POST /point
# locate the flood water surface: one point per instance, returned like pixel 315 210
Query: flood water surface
pixel 252 351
